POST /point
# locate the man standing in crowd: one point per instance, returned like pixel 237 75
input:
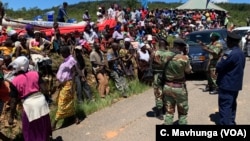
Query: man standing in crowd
pixel 174 89
pixel 214 49
pixel 230 69
pixel 62 12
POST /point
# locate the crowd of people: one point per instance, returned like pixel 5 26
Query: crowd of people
pixel 136 48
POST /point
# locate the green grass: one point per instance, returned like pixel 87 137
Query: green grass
pixel 88 107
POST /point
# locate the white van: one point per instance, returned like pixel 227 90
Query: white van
pixel 242 31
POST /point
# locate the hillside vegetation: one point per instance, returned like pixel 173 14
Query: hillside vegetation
pixel 238 12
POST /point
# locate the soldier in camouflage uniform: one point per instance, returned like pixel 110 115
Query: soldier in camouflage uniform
pixel 159 57
pixel 174 89
pixel 214 49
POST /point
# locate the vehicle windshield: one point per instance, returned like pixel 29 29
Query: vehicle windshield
pixel 204 37
pixel 241 32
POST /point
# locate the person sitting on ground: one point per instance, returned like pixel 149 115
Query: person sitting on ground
pixel 117 72
pixel 57 40
pixel 7 48
pixel 29 32
pixel 21 48
pixel 39 49
pixel 117 34
pixel 38 45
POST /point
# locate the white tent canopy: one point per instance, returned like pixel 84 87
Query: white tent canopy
pixel 199 5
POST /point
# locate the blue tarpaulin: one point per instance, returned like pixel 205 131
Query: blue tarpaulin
pixel 144 3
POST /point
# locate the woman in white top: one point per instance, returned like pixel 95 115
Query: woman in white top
pixel 143 60
pixel 117 35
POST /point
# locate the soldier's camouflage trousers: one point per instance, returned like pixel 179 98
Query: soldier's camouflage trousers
pixel 211 74
pixel 212 78
pixel 175 97
pixel 157 84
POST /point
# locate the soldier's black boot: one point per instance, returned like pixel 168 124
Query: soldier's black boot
pixel 207 88
pixel 214 91
pixel 159 114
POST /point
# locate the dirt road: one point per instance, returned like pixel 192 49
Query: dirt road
pixel 132 119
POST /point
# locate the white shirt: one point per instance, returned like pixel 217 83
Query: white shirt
pixel 111 13
pixel 98 13
pixel 117 35
pixel 120 16
pixel 90 38
pixel 144 56
pixel 133 15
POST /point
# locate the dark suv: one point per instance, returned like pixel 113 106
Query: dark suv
pixel 199 57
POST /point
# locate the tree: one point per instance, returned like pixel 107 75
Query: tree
pixel 131 3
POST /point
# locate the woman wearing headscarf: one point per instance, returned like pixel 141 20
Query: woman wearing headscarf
pixel 36 125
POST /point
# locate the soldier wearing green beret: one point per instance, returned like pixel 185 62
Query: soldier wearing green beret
pixel 214 49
